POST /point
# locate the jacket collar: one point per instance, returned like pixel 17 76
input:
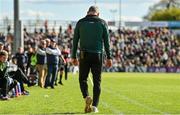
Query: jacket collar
pixel 94 16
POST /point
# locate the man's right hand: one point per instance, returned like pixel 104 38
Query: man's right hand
pixel 74 62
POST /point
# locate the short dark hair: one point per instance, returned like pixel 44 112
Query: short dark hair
pixel 93 9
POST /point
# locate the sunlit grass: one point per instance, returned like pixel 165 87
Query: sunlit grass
pixel 126 93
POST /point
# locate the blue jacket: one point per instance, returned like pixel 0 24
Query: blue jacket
pixel 21 59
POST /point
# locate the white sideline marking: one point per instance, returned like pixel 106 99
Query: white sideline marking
pixel 105 104
pixel 132 101
pixel 111 108
pixel 129 101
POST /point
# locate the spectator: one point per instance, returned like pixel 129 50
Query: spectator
pixel 41 63
pixel 21 59
pixel 53 54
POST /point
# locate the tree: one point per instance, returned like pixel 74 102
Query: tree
pixel 167 4
pixel 172 14
pixel 164 10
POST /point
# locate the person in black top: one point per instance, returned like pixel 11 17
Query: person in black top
pixel 3 78
pixel 92 33
pixel 10 71
pixel 21 59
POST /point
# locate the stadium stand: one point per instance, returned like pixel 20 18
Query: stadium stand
pixel 146 50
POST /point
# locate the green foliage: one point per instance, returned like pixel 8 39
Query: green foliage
pixel 171 14
pixel 122 93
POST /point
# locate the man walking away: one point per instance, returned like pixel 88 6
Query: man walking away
pixel 92 32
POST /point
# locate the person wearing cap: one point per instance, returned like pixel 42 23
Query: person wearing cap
pixel 52 53
pixel 92 33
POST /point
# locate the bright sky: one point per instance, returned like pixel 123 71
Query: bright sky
pixel 131 10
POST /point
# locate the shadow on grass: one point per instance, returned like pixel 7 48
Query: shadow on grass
pixel 69 113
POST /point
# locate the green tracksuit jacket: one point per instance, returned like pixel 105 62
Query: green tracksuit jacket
pixel 93 34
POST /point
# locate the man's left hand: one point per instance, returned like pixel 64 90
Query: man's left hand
pixel 108 63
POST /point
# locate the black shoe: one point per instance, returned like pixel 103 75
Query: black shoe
pixel 65 78
pixel 55 84
pixel 5 98
pixel 12 85
pixel 60 83
pixel 31 84
pixel 52 87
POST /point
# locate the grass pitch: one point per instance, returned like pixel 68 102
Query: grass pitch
pixel 122 93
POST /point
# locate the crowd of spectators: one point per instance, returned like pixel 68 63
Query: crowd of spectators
pixel 132 50
pixel 135 51
pixel 141 50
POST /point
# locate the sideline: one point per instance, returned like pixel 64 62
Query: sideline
pixel 106 105
pixel 134 102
